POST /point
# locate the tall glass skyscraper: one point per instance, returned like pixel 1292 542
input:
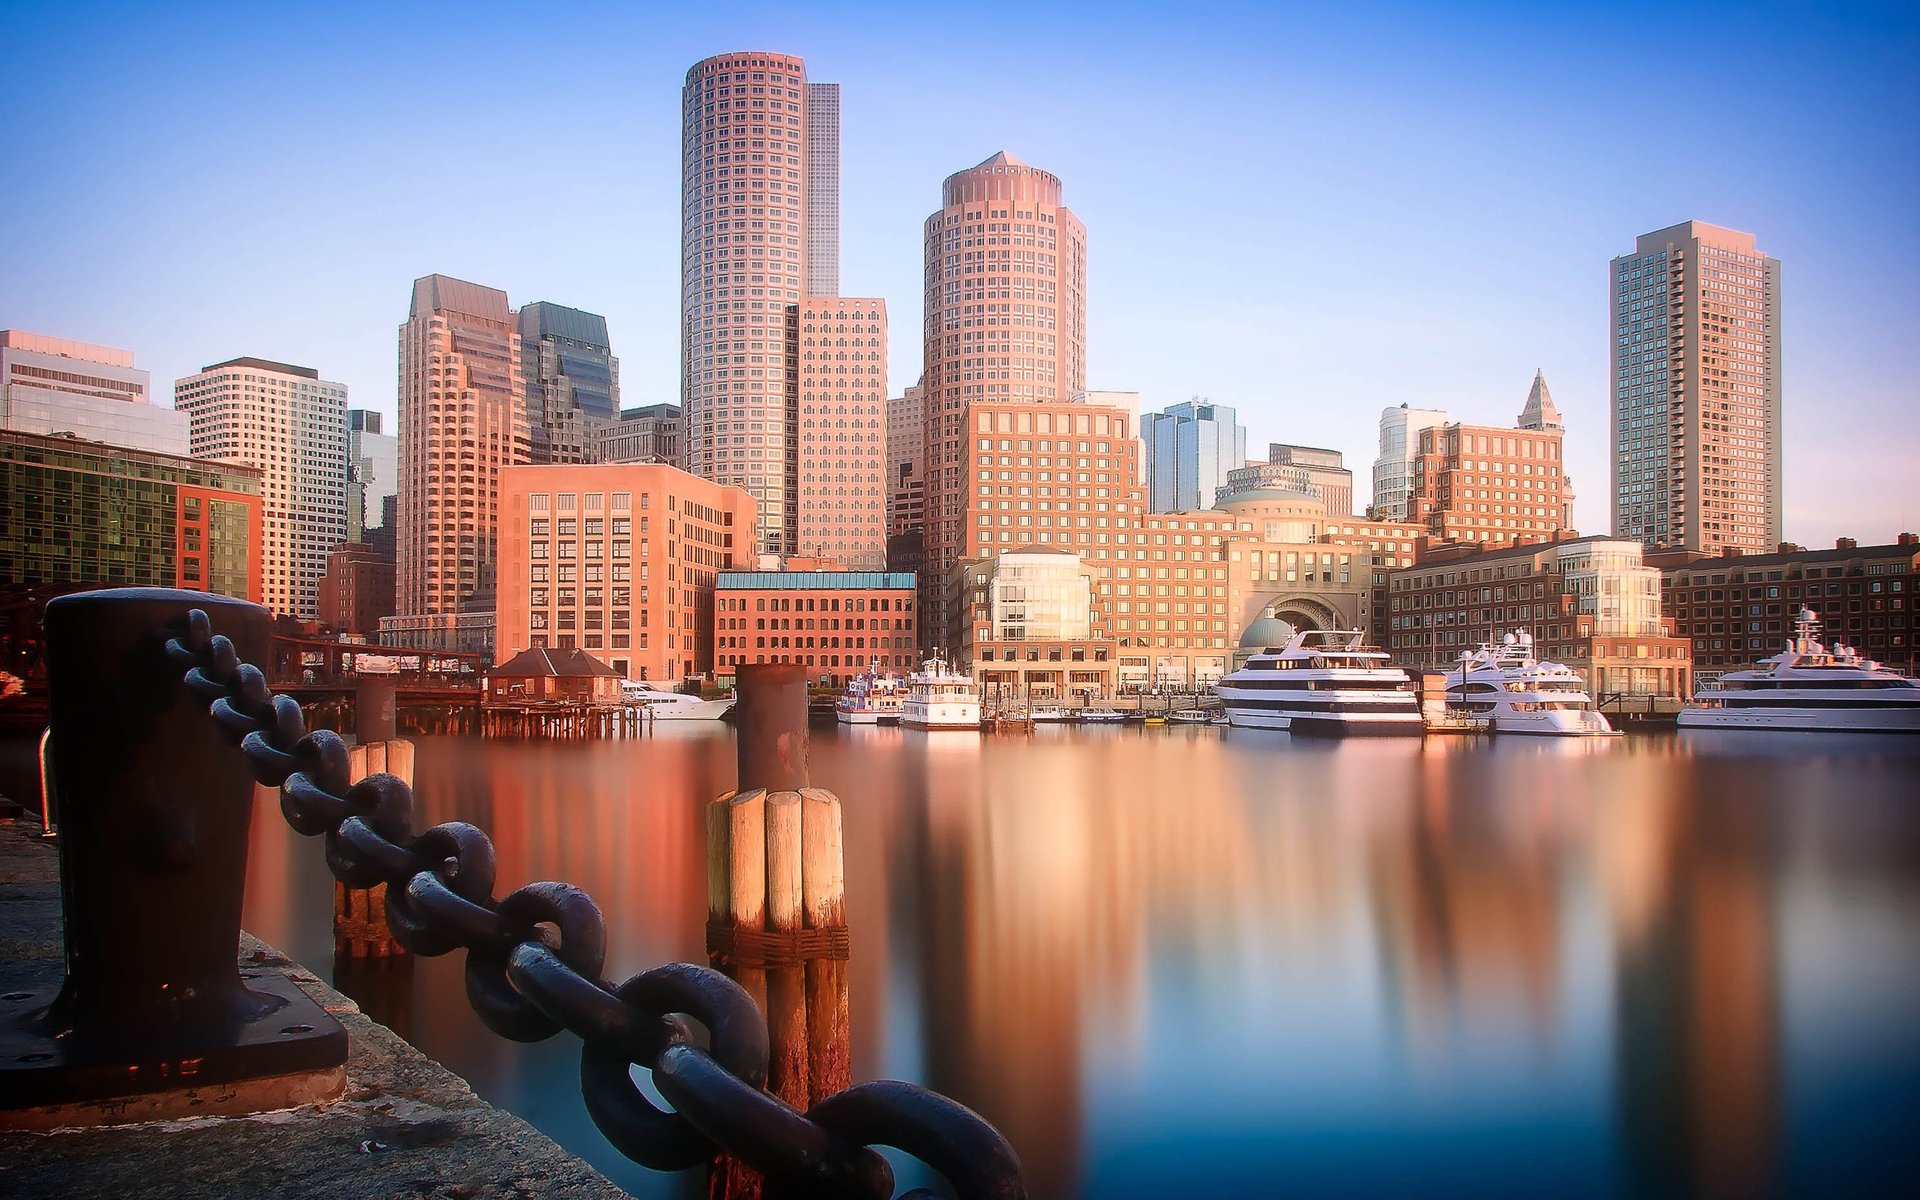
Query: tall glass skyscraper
pixel 572 380
pixel 1190 449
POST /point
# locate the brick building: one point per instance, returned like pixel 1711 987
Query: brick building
pixel 357 588
pixel 835 623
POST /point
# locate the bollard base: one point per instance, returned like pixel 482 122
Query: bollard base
pixel 293 1053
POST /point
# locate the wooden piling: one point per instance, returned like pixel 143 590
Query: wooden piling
pixel 786 985
pixel 823 884
pixel 360 914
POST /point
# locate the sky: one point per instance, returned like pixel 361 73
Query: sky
pixel 1309 212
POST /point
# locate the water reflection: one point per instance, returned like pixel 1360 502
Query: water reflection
pixel 1189 961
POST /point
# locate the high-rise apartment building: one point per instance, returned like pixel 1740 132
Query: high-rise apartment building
pixel 373 471
pixel 1393 469
pixel 648 433
pixel 463 418
pixel 823 189
pixel 747 259
pixel 291 424
pixel 571 380
pixel 1005 282
pixel 1189 450
pixel 840 466
pixel 1694 327
pixel 52 385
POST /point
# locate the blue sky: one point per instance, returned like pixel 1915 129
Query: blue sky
pixel 1310 212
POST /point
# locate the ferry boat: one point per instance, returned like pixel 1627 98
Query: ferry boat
pixel 664 705
pixel 1323 682
pixel 1513 692
pixel 873 698
pixel 1810 687
pixel 938 697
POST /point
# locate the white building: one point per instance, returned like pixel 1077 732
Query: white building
pixel 291 424
pixel 1189 450
pixel 1393 469
pixel 51 385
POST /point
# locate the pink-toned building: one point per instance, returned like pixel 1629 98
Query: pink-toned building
pixel 462 420
pixel 1006 323
pixel 840 470
pixel 618 560
pixel 906 448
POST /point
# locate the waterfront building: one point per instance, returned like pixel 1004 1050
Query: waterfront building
pixel 1591 603
pixel 1738 609
pixel 51 385
pixel 467 630
pixel 1400 430
pixel 1298 468
pixel 548 676
pixel 839 460
pixel 648 433
pixel 1005 278
pixel 747 258
pixel 463 419
pixel 1189 450
pixel 291 424
pixel 1694 327
pixel 356 590
pixel 1483 483
pixel 906 443
pixel 373 471
pixel 570 378
pixel 618 560
pixel 88 513
pixel 835 623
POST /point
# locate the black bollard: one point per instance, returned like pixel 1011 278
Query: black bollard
pixel 154 812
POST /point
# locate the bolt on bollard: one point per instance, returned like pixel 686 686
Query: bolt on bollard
pixel 155 1016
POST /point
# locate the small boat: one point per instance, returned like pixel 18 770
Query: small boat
pixel 872 698
pixel 1049 715
pixel 663 705
pixel 1809 687
pixel 1103 716
pixel 939 697
pixel 1189 716
pixel 1504 686
pixel 1323 681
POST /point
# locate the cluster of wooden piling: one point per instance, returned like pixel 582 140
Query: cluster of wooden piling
pixel 562 720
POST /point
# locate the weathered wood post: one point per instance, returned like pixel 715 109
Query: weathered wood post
pixel 360 915
pixel 776 909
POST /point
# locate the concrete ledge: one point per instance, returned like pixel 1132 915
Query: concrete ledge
pixel 404 1126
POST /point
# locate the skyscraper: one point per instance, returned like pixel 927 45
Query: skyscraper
pixel 462 418
pixel 1694 325
pixel 840 463
pixel 1189 450
pixel 1005 270
pixel 373 471
pixel 1393 469
pixel 823 189
pixel 51 385
pixel 571 378
pixel 291 424
pixel 746 258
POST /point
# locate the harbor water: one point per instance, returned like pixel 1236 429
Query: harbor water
pixel 1193 961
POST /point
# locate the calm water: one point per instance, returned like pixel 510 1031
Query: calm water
pixel 1173 962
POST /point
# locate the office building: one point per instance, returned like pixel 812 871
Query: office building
pixel 357 589
pixel 373 471
pixel 1482 483
pixel 1189 450
pixel 839 460
pixel 88 513
pixel 463 418
pixel 648 433
pixel 906 443
pixel 1005 275
pixel 571 380
pixel 51 385
pixel 1400 430
pixel 1694 328
pixel 291 424
pixel 1325 470
pixel 835 623
pixel 823 189
pixel 618 560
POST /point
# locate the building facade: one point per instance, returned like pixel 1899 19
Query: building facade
pixel 1400 430
pixel 571 380
pixel 292 425
pixel 1189 450
pixel 79 512
pixel 1482 483
pixel 463 418
pixel 1590 603
pixel 837 624
pixel 357 589
pixel 1737 609
pixel 1694 328
pixel 649 433
pixel 839 454
pixel 823 189
pixel 373 471
pixel 1321 472
pixel 618 560
pixel 1005 280
pixel 906 443
pixel 51 385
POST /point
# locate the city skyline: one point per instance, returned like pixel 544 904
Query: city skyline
pixel 1352 229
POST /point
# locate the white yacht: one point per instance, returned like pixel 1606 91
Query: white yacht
pixel 1516 693
pixel 938 697
pixel 1810 687
pixel 1323 682
pixel 1102 716
pixel 664 705
pixel 1048 714
pixel 874 698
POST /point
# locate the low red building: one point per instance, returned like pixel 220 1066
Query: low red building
pixel 544 675
pixel 834 623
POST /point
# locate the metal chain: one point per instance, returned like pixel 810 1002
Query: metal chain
pixel 533 967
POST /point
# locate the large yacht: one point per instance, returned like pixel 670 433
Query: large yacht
pixel 873 698
pixel 1323 682
pixel 1517 693
pixel 938 697
pixel 1810 687
pixel 663 705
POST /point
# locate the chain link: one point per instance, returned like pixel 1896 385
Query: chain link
pixel 533 967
